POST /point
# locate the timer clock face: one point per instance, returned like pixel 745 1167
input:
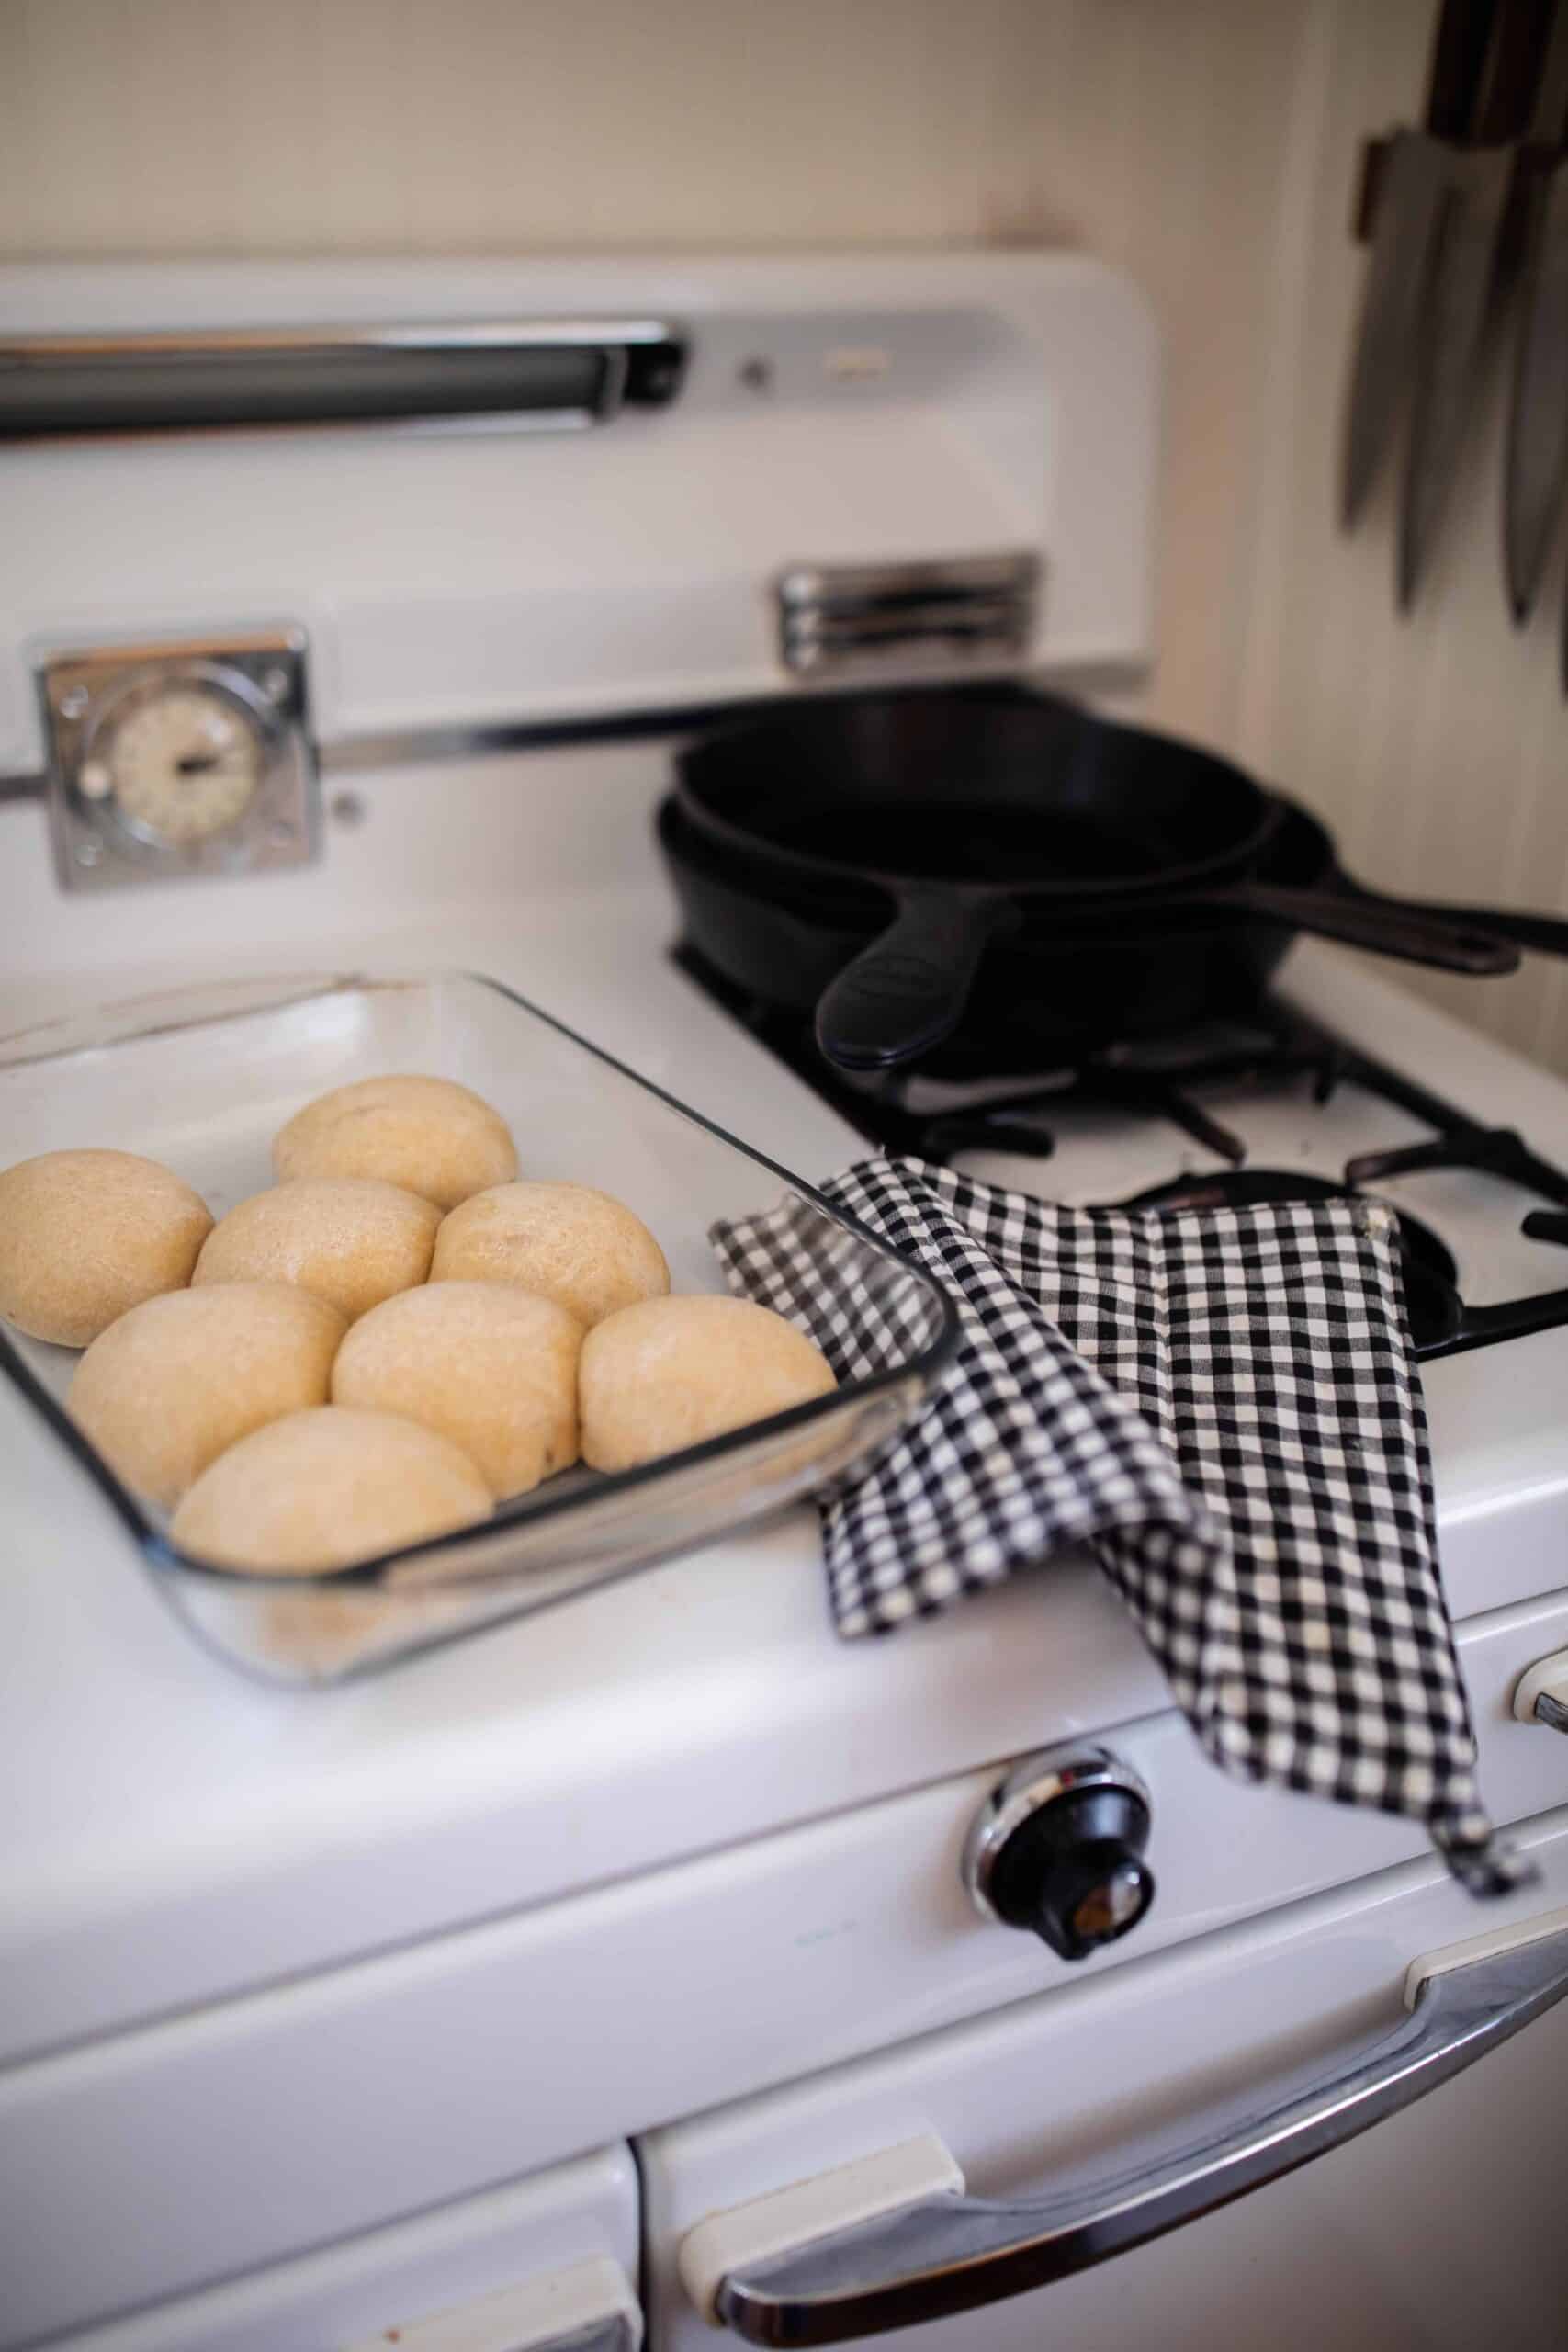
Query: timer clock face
pixel 178 760
pixel 183 761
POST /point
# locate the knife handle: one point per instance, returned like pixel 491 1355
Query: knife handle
pixel 1511 75
pixel 1480 83
pixel 1459 57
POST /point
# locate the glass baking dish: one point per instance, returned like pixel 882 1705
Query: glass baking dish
pixel 202 1078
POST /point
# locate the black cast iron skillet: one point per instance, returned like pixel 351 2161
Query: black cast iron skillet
pixel 1050 991
pixel 976 818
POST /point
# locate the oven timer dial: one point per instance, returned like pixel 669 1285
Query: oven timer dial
pixel 180 759
pixel 1058 1848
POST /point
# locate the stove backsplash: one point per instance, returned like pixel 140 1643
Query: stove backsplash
pixel 1209 150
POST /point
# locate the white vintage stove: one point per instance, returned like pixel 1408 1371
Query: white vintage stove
pixel 456 2006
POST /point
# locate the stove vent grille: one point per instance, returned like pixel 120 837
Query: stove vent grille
pixel 862 618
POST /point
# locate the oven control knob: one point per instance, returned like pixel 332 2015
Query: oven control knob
pixel 1058 1847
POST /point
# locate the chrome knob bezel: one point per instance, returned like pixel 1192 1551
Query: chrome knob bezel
pixel 1035 1781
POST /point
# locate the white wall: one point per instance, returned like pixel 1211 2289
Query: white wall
pixel 1438 744
pixel 1208 144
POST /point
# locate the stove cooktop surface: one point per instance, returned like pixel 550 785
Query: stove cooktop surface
pixel 173 1833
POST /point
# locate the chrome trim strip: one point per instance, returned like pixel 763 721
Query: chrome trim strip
pixel 861 617
pixel 393 746
pixel 825 585
pixel 117 365
pixel 526 420
pixel 469 335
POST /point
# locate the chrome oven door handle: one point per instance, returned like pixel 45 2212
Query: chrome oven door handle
pixel 949 2253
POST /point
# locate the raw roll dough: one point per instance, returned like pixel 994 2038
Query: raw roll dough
pixel 322 1489
pixel 671 1372
pixel 85 1235
pixel 350 1241
pixel 491 1367
pixel 173 1383
pixel 562 1241
pixel 428 1134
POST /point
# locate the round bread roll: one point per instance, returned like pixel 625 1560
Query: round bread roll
pixel 671 1372
pixel 320 1489
pixel 85 1235
pixel 350 1241
pixel 428 1134
pixel 491 1367
pixel 166 1390
pixel 562 1241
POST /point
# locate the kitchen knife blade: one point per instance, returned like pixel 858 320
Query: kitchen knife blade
pixel 1410 202
pixel 1454 316
pixel 1408 199
pixel 1538 419
pixel 1538 416
pixel 1448 350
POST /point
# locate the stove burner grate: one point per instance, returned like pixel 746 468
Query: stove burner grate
pixel 1276 1047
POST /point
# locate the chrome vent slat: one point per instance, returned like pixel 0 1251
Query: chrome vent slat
pixel 834 617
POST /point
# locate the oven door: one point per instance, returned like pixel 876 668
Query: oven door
pixel 931 2188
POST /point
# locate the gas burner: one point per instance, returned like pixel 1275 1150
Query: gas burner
pixel 1436 1313
pixel 1443 1323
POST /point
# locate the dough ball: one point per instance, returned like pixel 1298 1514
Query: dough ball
pixel 85 1235
pixel 492 1368
pixel 672 1372
pixel 166 1390
pixel 322 1489
pixel 351 1243
pixel 562 1241
pixel 428 1134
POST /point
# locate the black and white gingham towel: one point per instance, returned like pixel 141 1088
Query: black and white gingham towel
pixel 1222 1404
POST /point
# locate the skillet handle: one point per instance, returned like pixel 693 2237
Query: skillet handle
pixel 1389 927
pixel 1547 933
pixel 906 991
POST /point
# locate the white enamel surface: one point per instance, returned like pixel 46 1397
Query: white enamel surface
pixel 1434 2233
pixel 492 575
pixel 654 1996
pixel 497 2273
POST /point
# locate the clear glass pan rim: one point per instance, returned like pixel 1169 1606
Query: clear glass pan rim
pixel 376 1575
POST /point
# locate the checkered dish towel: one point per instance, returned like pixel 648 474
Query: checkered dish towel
pixel 1223 1405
